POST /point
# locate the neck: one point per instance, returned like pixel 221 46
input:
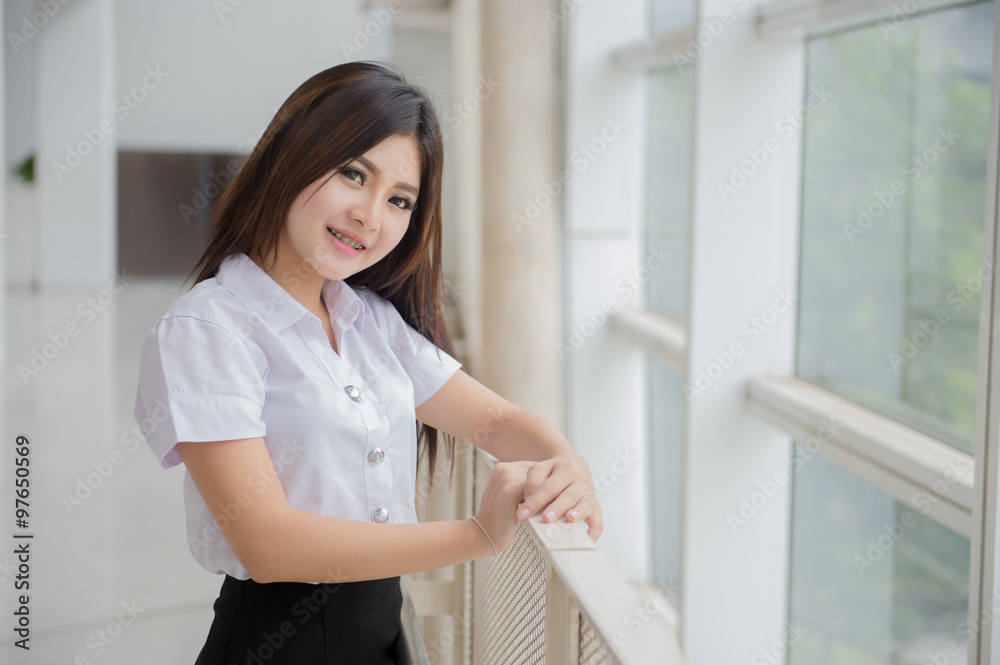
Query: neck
pixel 298 279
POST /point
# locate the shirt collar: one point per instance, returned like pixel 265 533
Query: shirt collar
pixel 258 292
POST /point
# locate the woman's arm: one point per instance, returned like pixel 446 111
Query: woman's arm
pixel 468 410
pixel 278 543
pixel 559 482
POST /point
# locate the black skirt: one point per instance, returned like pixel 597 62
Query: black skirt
pixel 293 623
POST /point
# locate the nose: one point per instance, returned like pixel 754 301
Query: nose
pixel 366 210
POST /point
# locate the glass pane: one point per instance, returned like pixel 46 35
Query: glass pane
pixel 892 216
pixel 668 15
pixel 873 581
pixel 668 189
pixel 666 430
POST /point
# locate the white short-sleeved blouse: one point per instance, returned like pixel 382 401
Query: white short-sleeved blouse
pixel 237 357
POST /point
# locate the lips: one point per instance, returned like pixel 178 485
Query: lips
pixel 347 235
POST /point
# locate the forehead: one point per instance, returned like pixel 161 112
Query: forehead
pixel 399 157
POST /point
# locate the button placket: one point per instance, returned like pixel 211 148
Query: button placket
pixel 379 481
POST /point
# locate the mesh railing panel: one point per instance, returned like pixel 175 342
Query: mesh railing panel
pixel 508 598
pixel 593 650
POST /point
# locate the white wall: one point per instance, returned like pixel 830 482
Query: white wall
pixel 228 74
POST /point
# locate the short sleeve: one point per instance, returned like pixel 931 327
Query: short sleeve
pixel 428 366
pixel 197 382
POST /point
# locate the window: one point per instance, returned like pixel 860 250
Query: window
pixel 668 187
pixel 666 432
pixel 872 581
pixel 893 206
pixel 892 216
pixel 670 123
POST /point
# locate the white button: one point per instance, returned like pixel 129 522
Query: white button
pixel 376 456
pixel 353 391
pixel 380 515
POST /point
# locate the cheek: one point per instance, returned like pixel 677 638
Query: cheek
pixel 326 201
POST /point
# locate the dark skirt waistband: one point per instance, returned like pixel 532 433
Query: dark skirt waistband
pixel 294 622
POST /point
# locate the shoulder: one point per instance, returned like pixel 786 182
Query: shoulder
pixel 211 302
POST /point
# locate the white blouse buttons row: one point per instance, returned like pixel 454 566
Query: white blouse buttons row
pixel 376 456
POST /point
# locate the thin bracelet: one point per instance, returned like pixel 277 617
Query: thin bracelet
pixel 487 534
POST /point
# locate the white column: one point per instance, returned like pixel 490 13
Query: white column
pixel 743 249
pixel 467 151
pixel 522 285
pixel 75 162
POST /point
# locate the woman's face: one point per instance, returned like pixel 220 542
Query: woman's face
pixel 369 199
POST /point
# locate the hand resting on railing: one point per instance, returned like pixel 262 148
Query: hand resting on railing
pixel 503 495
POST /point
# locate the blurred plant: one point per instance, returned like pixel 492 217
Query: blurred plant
pixel 25 169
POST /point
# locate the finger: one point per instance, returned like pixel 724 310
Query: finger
pixel 595 522
pixel 563 502
pixel 561 478
pixel 537 473
pixel 584 507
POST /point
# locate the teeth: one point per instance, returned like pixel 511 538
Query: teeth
pixel 346 240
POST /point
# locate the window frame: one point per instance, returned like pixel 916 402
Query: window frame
pixel 888 454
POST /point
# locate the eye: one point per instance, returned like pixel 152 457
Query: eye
pixel 349 173
pixel 358 176
pixel 407 203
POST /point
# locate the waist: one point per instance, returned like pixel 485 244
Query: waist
pixel 300 599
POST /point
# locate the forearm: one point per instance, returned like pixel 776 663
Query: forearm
pixel 300 546
pixel 528 436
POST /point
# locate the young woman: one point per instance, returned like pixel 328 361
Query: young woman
pixel 290 378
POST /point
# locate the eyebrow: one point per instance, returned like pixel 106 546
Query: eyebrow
pixel 374 169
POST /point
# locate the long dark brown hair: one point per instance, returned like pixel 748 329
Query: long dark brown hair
pixel 332 118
